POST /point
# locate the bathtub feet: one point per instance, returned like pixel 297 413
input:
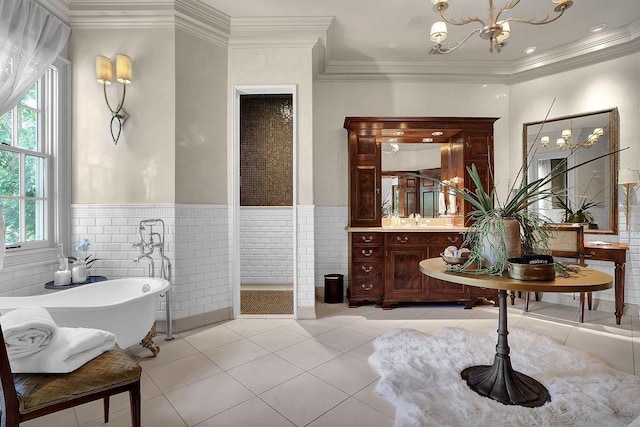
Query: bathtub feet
pixel 147 341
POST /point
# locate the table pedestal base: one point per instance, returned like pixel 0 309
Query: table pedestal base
pixel 499 381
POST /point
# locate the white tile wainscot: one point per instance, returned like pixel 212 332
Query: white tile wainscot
pixel 196 242
pixel 331 244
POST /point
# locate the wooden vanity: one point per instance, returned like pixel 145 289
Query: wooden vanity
pixel 384 261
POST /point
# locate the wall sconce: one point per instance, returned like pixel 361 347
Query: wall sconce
pixel 104 74
pixel 629 178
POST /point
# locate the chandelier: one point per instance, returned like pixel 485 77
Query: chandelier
pixel 565 142
pixel 496 29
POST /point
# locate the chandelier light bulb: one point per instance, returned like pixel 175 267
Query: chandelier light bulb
pixel 438 32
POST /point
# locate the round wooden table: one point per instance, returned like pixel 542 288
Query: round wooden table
pixel 499 381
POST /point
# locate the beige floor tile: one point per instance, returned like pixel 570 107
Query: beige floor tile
pixel 181 372
pixel 308 354
pixel 554 312
pixel 156 412
pixel 353 412
pixel 169 351
pixel 340 319
pixel 66 418
pixel 94 410
pixel 369 396
pixel 480 325
pixel 212 337
pixel 235 354
pixel 342 339
pixel 549 328
pixel 265 373
pixel 364 351
pixel 252 413
pixel 311 328
pixel 347 373
pixel 399 313
pixel 615 351
pixel 277 339
pixel 374 328
pixel 448 312
pixel 249 327
pixel 204 399
pixel 303 399
pixel 431 326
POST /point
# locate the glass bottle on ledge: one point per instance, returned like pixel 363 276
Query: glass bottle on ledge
pixel 62 277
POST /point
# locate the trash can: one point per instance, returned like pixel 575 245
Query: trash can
pixel 333 288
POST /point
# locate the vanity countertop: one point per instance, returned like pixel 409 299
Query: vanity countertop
pixel 409 229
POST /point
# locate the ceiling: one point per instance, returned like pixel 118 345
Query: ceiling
pixel 382 38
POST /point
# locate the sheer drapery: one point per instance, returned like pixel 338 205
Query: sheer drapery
pixel 31 38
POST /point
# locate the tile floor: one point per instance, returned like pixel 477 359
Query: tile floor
pixel 282 372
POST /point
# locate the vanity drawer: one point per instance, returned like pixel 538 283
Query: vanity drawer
pixel 447 239
pixel 366 239
pixel 363 253
pixel 425 239
pixel 367 269
pixel 366 287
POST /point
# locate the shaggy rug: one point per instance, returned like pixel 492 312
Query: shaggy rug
pixel 420 376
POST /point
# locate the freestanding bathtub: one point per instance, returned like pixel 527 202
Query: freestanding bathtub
pixel 126 307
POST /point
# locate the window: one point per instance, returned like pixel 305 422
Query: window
pixel 34 160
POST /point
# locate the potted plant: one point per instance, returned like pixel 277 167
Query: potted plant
pixel 577 213
pixel 488 238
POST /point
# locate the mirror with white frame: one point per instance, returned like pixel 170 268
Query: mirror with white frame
pixel 587 194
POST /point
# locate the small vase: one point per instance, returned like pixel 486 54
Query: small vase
pixel 502 243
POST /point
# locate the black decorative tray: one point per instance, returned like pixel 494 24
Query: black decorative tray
pixel 90 279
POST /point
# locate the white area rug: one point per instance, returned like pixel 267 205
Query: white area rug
pixel 420 375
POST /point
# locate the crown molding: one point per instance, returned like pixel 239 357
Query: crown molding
pixel 591 50
pixel 207 23
pixel 192 16
pixel 279 32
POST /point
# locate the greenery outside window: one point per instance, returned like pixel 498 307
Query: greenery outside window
pixel 34 169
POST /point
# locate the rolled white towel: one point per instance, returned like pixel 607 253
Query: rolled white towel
pixel 73 348
pixel 27 330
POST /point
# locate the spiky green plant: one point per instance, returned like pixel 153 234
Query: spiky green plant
pixel 488 208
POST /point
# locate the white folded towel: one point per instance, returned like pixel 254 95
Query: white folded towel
pixel 73 348
pixel 27 330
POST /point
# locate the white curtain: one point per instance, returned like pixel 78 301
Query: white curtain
pixel 31 38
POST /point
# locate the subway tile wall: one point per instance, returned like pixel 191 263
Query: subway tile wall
pixel 266 245
pixel 305 256
pixel 198 244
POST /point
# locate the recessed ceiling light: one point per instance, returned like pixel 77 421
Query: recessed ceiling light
pixel 530 50
pixel 427 139
pixel 398 132
pixel 597 28
pixel 437 133
pixel 392 139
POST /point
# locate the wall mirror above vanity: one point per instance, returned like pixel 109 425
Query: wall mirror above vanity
pixel 587 194
pixel 403 192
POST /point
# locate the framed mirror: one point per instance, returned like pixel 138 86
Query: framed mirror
pixel 403 193
pixel 588 194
